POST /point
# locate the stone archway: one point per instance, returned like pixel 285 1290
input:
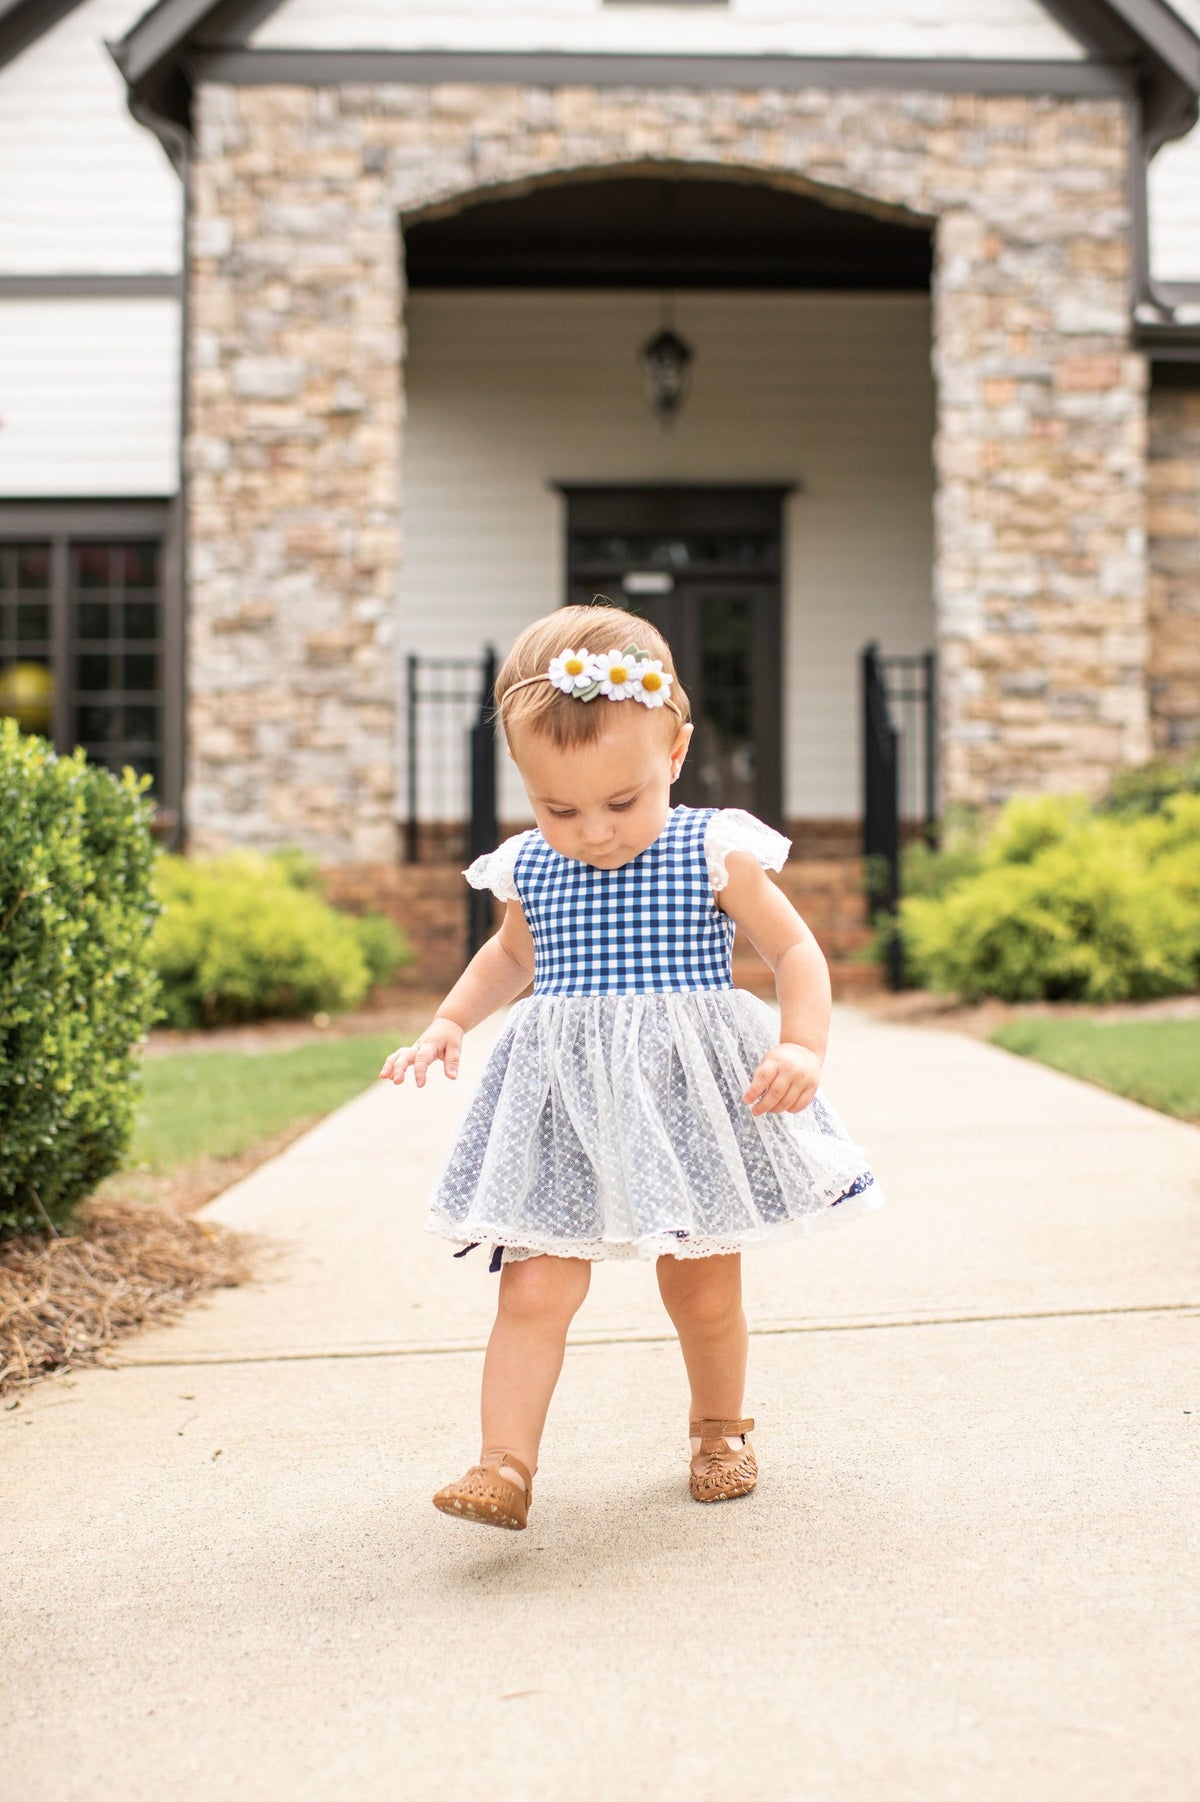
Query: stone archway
pixel 297 407
pixel 524 308
pixel 665 224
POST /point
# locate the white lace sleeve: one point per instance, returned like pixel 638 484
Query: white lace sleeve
pixel 494 869
pixel 733 829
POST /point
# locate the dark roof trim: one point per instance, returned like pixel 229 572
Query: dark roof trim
pixel 177 40
pixel 1179 294
pixel 90 287
pixel 1168 343
pixel 158 35
pixel 983 75
pixel 28 516
pixel 22 22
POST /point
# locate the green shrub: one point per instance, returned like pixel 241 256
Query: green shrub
pixel 248 937
pixel 929 871
pixel 1067 904
pixel 1144 788
pixel 239 940
pixel 77 989
pixel 383 946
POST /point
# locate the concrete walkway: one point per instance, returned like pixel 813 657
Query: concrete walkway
pixel 971 1570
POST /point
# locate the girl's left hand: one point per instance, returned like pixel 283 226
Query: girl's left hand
pixel 785 1081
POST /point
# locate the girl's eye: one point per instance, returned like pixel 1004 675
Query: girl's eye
pixel 566 813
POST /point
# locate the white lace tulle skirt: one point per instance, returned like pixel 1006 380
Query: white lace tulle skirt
pixel 614 1126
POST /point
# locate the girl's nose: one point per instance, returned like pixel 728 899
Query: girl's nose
pixel 598 833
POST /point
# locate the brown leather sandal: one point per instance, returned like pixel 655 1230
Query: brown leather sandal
pixel 486 1497
pixel 720 1471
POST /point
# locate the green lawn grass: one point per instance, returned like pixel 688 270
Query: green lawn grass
pixel 218 1103
pixel 1156 1062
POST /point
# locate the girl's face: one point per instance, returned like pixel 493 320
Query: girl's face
pixel 604 803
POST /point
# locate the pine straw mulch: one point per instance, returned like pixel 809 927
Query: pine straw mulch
pixel 66 1298
pixel 134 1256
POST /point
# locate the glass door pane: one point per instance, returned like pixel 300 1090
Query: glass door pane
pixel 723 753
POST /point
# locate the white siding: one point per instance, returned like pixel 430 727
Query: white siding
pixel 1174 200
pixel 993 28
pixel 83 187
pixel 1189 12
pixel 1174 194
pixel 508 391
pixel 89 397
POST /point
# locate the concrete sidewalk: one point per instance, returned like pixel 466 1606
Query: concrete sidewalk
pixel 970 1571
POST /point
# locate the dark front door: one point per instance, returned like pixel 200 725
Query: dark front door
pixel 703 565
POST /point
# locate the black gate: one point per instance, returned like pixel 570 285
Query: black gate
pixel 899 776
pixel 451 752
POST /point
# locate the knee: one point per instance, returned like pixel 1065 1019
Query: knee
pixel 543 1291
pixel 699 1301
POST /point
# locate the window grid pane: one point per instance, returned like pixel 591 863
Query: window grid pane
pixel 112 662
pixel 115 627
pixel 26 655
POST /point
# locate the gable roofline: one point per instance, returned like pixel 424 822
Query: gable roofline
pixel 23 22
pixel 1144 41
pixel 1148 36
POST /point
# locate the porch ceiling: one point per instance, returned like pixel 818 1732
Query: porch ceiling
pixel 647 232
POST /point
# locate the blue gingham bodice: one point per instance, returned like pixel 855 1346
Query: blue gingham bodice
pixel 650 926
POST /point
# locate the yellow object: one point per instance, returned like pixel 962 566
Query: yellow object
pixel 27 695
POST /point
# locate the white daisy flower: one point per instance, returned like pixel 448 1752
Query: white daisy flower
pixel 618 675
pixel 572 670
pixel 654 682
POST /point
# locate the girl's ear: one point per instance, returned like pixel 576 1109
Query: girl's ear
pixel 679 747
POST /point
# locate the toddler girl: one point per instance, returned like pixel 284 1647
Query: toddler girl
pixel 636 1103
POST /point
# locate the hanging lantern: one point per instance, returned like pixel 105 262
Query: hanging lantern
pixel 666 372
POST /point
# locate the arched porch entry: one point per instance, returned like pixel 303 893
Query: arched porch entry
pixel 783 519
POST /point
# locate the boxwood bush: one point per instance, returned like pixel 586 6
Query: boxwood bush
pixel 77 988
pixel 249 937
pixel 1065 902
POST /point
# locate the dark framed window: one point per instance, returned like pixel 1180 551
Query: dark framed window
pixel 89 634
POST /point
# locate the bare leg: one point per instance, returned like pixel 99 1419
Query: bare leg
pixel 539 1297
pixel 703 1296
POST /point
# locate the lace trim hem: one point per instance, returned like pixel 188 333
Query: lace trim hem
pixel 857 1201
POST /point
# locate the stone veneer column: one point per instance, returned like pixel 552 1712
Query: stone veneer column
pixel 294 477
pixel 1040 554
pixel 1174 513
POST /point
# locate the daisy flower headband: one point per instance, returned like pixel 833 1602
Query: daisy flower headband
pixel 627 675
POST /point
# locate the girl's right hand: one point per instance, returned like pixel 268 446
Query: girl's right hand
pixel 440 1039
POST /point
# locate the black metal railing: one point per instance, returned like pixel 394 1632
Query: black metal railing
pixel 483 828
pixel 450 739
pixel 910 682
pixel 445 698
pixel 899 778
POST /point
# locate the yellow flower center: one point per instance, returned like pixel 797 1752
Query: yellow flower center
pixel 618 673
pixel 652 680
pixel 574 666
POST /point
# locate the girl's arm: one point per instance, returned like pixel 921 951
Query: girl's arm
pixel 787 1077
pixel 497 973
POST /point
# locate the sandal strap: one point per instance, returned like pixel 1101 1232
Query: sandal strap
pixel 718 1429
pixel 492 1460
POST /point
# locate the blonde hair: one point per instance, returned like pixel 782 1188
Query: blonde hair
pixel 560 717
